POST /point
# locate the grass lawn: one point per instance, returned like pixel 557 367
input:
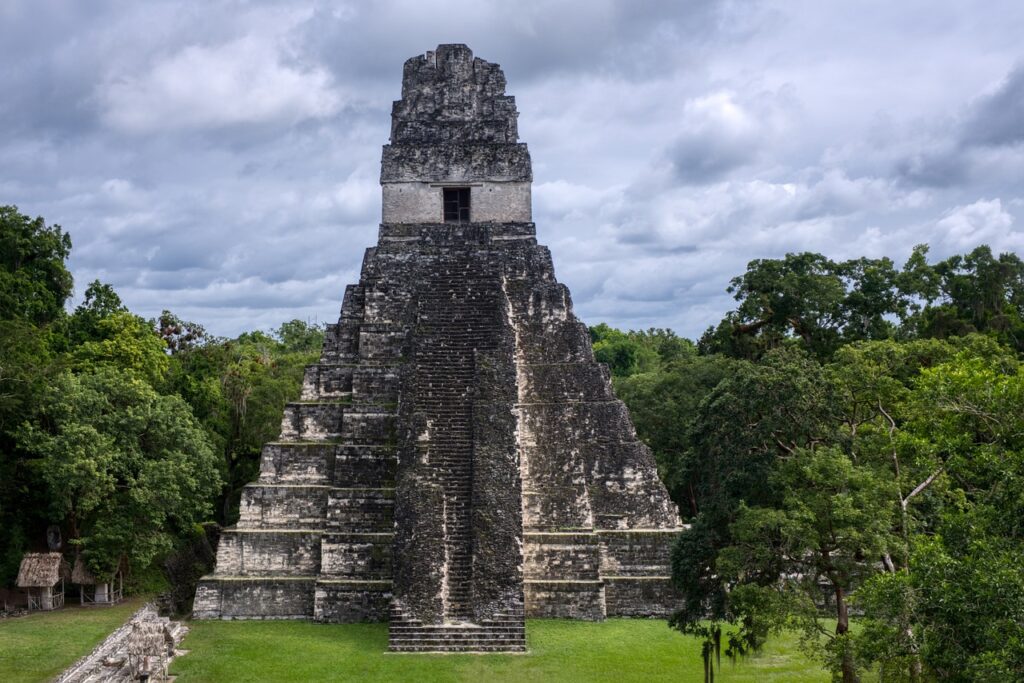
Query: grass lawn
pixel 39 646
pixel 617 650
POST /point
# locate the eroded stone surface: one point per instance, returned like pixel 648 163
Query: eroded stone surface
pixel 143 646
pixel 458 460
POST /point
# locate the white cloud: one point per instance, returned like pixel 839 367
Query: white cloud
pixel 219 157
pixel 244 81
pixel 983 222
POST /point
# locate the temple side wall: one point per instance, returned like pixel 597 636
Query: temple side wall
pixel 494 202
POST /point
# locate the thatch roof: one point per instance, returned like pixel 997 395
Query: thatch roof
pixel 41 570
pixel 81 574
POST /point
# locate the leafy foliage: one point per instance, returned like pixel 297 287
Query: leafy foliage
pixel 975 292
pixel 807 296
pixel 34 280
pixel 128 468
pixel 178 334
pixel 826 304
pixel 237 389
pixel 850 434
pixel 630 353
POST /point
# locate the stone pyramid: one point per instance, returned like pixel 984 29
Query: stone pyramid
pixel 457 460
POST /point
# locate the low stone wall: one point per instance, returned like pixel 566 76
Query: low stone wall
pixel 146 644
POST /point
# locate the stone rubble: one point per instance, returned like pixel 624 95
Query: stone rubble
pixel 143 647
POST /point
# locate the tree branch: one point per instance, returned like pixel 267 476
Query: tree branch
pixel 922 486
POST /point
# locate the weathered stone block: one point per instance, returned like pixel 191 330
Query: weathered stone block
pixel 364 466
pixel 640 596
pixel 556 508
pixel 565 599
pixel 274 552
pixel 353 303
pixel 625 490
pixel 347 602
pixel 637 552
pixel 297 463
pixel 327 381
pixel 290 506
pixel 254 598
pixel 455 163
pixel 368 425
pixel 360 510
pixel 561 556
pixel 339 344
pixel 420 583
pixel 376 385
pixel 577 423
pixel 379 343
pixel 555 341
pixel 312 421
pixel 363 556
pixel 564 383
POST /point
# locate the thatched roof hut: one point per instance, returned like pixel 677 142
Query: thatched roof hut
pixel 94 590
pixel 42 576
pixel 81 574
pixel 41 570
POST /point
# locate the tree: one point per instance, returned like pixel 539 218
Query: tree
pixel 807 493
pixel 810 550
pixel 127 470
pixel 785 404
pixel 34 285
pixel 826 304
pixel 974 292
pixel 125 341
pixel 635 352
pixel 664 406
pixel 27 366
pixel 811 298
pixel 298 336
pixel 100 302
pixel 963 592
pixel 34 281
pixel 238 389
pixel 179 335
pixel 891 476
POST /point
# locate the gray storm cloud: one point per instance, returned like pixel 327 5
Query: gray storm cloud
pixel 220 158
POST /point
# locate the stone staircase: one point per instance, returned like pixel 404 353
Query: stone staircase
pixel 505 633
pixel 455 320
pixel 459 319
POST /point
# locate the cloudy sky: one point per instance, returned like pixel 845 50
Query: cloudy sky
pixel 220 158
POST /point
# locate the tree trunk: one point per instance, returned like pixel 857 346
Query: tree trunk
pixel 915 661
pixel 842 628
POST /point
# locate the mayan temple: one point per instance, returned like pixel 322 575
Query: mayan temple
pixel 457 461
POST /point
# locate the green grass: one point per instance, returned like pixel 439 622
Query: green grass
pixel 39 646
pixel 617 650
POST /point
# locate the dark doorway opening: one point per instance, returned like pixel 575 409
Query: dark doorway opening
pixel 456 205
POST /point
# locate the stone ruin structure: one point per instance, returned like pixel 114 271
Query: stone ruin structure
pixel 457 460
pixel 141 649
